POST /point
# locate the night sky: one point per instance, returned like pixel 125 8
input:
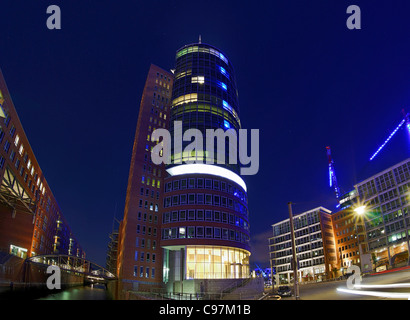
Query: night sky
pixel 304 79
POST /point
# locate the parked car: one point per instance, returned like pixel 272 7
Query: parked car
pixel 284 291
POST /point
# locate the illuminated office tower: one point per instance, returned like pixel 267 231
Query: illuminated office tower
pixel 386 197
pixel 139 260
pixel 205 225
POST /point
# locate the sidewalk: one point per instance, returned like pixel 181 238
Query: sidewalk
pixel 390 270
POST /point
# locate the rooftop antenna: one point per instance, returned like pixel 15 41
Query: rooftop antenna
pixel 200 41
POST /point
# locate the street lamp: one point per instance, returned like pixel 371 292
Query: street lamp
pixel 294 256
pixel 360 211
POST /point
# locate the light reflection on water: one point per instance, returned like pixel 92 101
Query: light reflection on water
pixel 93 292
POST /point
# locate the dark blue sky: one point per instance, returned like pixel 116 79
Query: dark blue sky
pixel 304 80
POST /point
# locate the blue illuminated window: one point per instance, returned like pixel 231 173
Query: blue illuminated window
pixel 223 71
pixel 227 124
pixel 222 85
pixel 223 58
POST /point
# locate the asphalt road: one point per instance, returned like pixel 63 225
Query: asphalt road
pixel 388 286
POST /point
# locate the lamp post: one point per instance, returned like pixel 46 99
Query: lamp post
pixel 295 262
pixel 360 211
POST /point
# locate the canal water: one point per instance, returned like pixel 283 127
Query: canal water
pixel 92 292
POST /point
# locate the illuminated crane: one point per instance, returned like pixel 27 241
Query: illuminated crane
pixel 405 120
pixel 332 174
pixel 407 117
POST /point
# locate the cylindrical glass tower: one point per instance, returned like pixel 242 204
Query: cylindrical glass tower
pixel 204 97
pixel 205 227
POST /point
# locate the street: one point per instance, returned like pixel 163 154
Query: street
pixel 390 286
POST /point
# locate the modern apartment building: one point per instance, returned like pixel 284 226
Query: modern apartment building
pixel 139 261
pixel 386 196
pixel 315 247
pixel 31 222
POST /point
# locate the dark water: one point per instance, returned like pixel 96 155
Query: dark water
pixel 94 292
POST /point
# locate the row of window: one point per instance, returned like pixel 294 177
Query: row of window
pixel 346 239
pixel 300 257
pixel 385 181
pixel 147 192
pixel 348 247
pixel 144 256
pixel 204 199
pixel 393 216
pixel 204 215
pixel 200 109
pixel 393 238
pixel 192 232
pixel 300 249
pixel 299 222
pixel 13 154
pixel 146 230
pixel 145 243
pixel 201 183
pixel 147 217
pixel 139 272
pixel 151 206
pixel 303 264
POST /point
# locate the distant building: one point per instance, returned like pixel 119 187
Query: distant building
pixel 112 252
pixel 315 247
pixel 376 239
pixel 349 239
pixel 348 199
pixel 31 222
pixel 386 196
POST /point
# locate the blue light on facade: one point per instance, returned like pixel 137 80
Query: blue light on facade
pixel 223 71
pixel 227 124
pixel 223 58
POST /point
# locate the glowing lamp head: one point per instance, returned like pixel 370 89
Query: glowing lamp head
pixel 360 210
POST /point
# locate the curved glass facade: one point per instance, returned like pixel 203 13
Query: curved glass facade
pixel 204 96
pixel 205 223
pixel 214 262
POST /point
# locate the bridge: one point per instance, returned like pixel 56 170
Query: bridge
pixel 91 272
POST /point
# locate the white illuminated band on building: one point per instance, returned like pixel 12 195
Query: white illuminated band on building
pixel 197 168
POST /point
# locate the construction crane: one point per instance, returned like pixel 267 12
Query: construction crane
pixel 332 174
pixel 406 121
pixel 407 117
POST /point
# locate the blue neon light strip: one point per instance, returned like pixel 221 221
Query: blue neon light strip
pixel 387 140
